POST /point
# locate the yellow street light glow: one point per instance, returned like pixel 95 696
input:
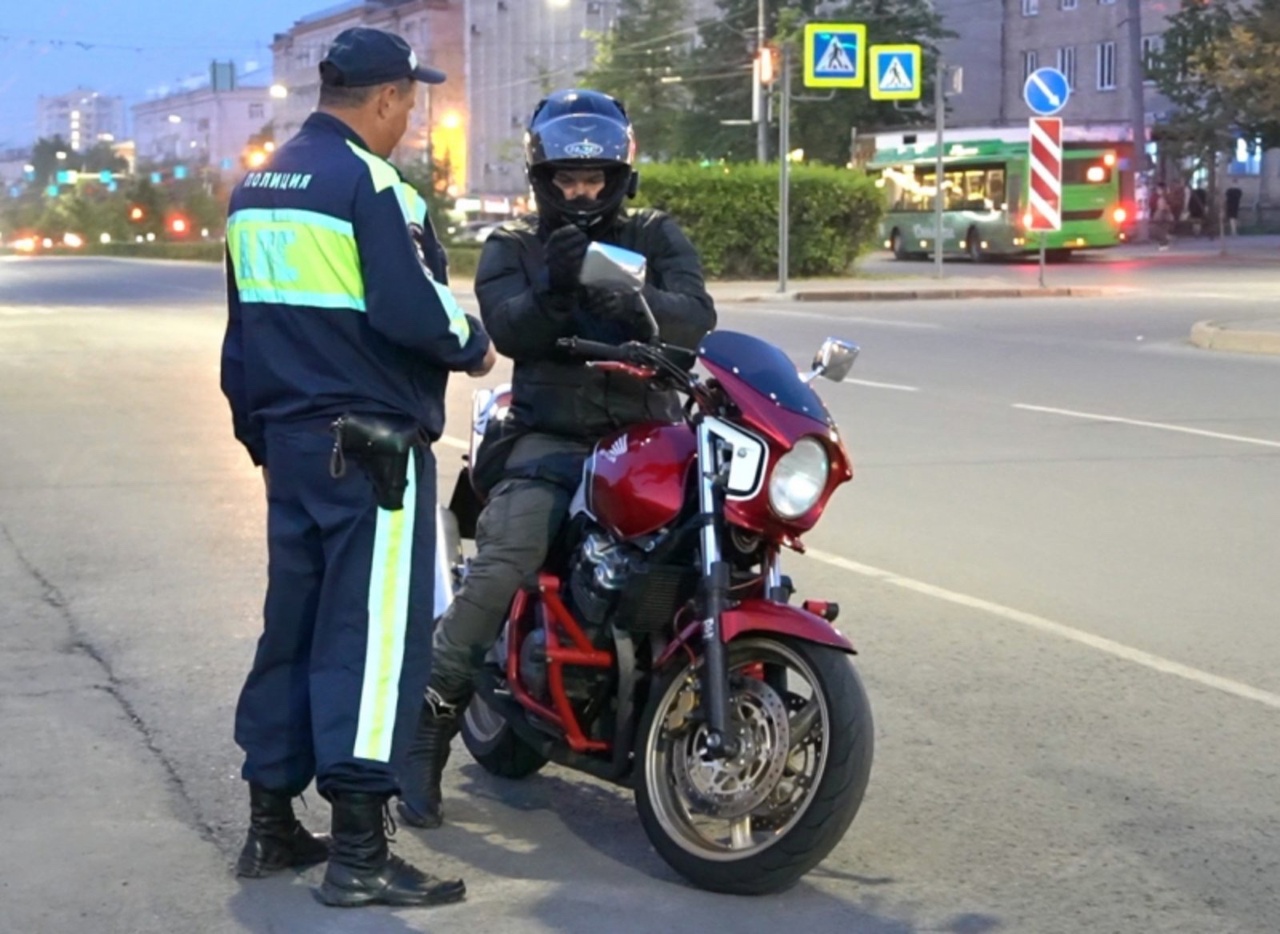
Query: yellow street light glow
pixel 451 121
pixel 279 91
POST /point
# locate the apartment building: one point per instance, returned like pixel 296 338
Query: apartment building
pixel 502 57
pixel 434 28
pixel 82 117
pixel 207 126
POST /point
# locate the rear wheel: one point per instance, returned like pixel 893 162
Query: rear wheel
pixel 898 246
pixel 495 745
pixel 973 244
pixel 758 822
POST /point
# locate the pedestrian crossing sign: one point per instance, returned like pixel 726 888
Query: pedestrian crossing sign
pixel 895 72
pixel 834 54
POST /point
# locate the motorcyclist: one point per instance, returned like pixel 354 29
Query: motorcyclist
pixel 579 154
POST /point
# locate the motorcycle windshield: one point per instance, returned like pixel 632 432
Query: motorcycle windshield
pixel 764 368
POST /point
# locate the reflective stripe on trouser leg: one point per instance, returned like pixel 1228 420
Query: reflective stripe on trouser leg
pixel 389 579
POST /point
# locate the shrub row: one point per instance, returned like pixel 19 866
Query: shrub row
pixel 730 212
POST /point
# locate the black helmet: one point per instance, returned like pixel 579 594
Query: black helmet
pixel 579 129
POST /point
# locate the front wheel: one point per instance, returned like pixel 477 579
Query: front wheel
pixel 756 823
pixel 495 745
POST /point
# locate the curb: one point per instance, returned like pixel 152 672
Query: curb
pixel 1210 335
pixel 871 295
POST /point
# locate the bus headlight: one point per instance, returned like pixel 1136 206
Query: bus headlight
pixel 798 479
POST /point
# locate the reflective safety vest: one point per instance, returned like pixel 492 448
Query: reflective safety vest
pixel 336 292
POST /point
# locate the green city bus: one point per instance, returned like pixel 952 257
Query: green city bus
pixel 985 209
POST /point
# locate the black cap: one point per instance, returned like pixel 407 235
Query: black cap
pixel 363 56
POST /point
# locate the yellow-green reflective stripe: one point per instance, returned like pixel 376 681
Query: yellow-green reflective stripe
pixel 388 618
pixel 381 171
pixel 295 257
pixel 414 209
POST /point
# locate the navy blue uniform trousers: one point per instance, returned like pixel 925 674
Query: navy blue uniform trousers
pixel 338 678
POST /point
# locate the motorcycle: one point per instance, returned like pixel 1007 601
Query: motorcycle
pixel 659 648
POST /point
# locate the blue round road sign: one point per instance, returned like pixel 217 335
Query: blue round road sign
pixel 1046 91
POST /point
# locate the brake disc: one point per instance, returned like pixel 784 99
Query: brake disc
pixel 732 788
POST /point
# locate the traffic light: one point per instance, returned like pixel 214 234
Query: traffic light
pixel 766 64
pixel 136 213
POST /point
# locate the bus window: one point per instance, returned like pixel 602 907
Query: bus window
pixel 995 189
pixel 1015 195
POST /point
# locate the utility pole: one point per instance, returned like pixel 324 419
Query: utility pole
pixel 761 93
pixel 940 121
pixel 1137 108
pixel 784 171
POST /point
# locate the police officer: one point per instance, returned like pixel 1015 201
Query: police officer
pixel 579 151
pixel 340 324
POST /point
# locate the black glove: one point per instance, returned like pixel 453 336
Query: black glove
pixel 611 304
pixel 565 251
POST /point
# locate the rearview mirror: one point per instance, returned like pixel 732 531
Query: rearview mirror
pixel 611 267
pixel 834 359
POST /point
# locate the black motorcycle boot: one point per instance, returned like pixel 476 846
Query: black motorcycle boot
pixel 421 801
pixel 362 870
pixel 276 841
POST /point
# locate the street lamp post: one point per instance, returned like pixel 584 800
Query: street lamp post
pixel 762 128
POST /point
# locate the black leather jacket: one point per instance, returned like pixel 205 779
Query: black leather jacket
pixel 561 395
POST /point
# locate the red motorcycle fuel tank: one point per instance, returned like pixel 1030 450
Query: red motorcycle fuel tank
pixel 636 478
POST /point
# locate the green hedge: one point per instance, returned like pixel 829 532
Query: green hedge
pixel 208 251
pixel 463 258
pixel 730 212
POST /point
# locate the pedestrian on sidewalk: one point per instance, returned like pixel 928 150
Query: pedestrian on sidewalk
pixel 1234 197
pixel 1162 217
pixel 341 335
pixel 1197 208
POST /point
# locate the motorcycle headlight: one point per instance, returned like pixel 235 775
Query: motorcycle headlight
pixel 798 479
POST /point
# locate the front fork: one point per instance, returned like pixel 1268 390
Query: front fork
pixel 722 743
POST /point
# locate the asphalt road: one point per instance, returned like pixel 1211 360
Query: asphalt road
pixel 1057 558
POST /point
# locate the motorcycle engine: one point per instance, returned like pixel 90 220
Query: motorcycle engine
pixel 599 572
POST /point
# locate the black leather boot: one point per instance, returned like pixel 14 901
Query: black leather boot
pixel 420 803
pixel 362 870
pixel 276 840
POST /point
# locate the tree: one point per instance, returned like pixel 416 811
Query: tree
pixel 721 88
pixel 44 158
pixel 641 62
pixel 1249 72
pixel 1189 70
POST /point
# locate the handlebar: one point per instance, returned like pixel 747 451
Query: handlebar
pixel 595 350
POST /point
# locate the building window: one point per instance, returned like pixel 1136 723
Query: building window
pixel 1030 7
pixel 1030 62
pixel 1246 158
pixel 256 112
pixel 1106 66
pixel 1070 4
pixel 1067 64
pixel 1106 2
pixel 1152 46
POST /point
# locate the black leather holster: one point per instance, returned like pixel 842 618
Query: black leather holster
pixel 380 450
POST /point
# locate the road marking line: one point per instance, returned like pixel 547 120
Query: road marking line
pixel 874 385
pixel 1262 442
pixel 1041 624
pixel 773 311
